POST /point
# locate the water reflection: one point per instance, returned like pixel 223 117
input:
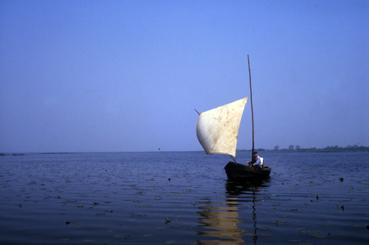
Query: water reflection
pixel 221 222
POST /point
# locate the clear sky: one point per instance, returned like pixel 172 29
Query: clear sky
pixel 126 75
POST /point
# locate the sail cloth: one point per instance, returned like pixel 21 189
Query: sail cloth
pixel 217 129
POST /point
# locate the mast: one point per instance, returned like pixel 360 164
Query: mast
pixel 252 106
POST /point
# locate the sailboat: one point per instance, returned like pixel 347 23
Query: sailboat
pixel 217 131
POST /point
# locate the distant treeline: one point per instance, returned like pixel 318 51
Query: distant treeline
pixel 336 148
pixel 11 154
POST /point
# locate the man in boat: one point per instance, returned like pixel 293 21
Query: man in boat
pixel 256 161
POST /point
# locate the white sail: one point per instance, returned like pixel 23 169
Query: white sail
pixel 217 129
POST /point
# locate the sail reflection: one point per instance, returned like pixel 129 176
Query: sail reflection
pixel 221 222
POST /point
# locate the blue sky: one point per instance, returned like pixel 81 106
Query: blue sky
pixel 126 75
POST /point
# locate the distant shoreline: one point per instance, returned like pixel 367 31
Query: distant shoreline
pixel 297 149
pixel 292 148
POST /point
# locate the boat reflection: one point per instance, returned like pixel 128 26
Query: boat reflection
pixel 220 223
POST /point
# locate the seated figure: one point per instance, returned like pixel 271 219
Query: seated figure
pixel 256 161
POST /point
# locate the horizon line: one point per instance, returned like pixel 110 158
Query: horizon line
pixel 157 151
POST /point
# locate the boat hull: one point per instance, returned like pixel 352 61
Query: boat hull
pixel 236 171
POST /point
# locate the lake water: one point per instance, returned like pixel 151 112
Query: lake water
pixel 182 198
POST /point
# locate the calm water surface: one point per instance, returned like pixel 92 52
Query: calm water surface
pixel 182 198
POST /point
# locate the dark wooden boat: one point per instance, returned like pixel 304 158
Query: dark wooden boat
pixel 237 171
pixel 217 131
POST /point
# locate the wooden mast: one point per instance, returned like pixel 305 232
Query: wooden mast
pixel 252 107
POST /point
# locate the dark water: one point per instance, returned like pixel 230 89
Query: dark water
pixel 182 198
